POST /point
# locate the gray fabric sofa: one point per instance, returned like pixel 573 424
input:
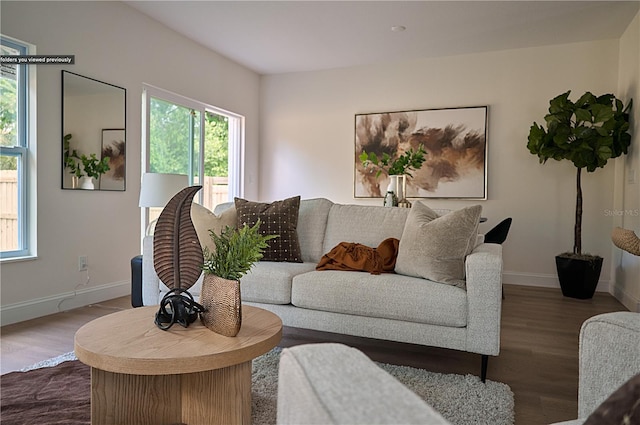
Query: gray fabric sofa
pixel 609 356
pixel 388 306
pixel 335 384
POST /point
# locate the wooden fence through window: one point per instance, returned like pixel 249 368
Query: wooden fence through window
pixel 215 189
pixel 8 210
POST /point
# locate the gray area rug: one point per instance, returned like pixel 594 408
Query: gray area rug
pixel 460 399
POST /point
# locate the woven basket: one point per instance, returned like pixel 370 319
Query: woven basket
pixel 626 239
pixel 221 300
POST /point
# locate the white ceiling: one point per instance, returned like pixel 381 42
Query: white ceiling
pixel 272 37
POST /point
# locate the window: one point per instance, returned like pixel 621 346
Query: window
pixel 17 123
pixel 184 136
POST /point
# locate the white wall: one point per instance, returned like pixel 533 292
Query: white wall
pixel 626 267
pixel 113 43
pixel 307 140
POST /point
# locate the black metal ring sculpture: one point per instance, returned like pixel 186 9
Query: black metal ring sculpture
pixel 177 306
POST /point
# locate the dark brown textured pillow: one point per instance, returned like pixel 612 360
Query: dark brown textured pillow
pixel 622 407
pixel 276 218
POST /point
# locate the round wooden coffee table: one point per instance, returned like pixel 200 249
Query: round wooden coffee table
pixel 143 375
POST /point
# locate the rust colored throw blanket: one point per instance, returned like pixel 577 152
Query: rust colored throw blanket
pixel 350 256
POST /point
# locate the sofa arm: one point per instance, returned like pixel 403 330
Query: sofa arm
pixel 484 298
pixel 609 356
pixel 336 384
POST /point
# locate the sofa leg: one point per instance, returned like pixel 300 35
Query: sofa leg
pixel 483 370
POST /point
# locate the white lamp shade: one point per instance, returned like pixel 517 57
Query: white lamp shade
pixel 157 189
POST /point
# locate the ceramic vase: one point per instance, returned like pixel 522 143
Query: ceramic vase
pixel 86 183
pixel 398 186
pixel 221 301
pixel 401 186
pixel 390 199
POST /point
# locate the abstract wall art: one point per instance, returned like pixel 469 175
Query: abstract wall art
pixel 455 140
pixel 114 148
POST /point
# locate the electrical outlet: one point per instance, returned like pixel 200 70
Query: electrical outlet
pixel 82 263
pixel 631 176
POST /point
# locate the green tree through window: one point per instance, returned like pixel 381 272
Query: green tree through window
pixel 216 145
pixel 8 109
pixel 177 145
pixel 169 147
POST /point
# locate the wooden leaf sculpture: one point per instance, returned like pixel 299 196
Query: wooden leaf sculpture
pixel 177 254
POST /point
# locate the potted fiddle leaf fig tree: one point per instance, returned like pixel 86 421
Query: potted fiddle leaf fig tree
pixel 588 133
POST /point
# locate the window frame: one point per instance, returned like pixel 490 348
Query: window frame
pixel 236 139
pixel 25 152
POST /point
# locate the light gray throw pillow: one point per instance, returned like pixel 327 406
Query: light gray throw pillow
pixel 434 247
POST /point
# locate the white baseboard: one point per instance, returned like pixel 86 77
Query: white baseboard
pixel 542 280
pixel 19 312
pixel 627 300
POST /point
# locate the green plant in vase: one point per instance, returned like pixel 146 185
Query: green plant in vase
pixel 397 168
pixel 588 133
pixel 235 253
pixel 401 165
pixel 82 165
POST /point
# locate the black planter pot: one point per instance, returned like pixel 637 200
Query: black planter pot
pixel 578 277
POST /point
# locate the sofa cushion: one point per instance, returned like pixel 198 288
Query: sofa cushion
pixel 367 225
pixel 389 296
pixel 204 220
pixel 276 218
pixel 220 208
pixel 435 248
pixel 312 224
pixel 270 282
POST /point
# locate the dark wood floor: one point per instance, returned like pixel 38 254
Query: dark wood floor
pixel 538 358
